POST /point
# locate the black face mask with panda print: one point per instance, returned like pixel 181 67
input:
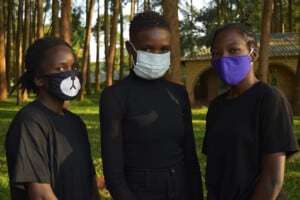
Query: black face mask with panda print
pixel 64 85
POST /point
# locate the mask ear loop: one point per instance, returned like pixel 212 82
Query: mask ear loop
pixel 252 49
pixel 132 60
pixel 132 46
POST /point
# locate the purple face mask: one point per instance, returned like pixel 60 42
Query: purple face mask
pixel 232 69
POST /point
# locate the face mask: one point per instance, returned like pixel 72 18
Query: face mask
pixel 65 85
pixel 150 65
pixel 232 69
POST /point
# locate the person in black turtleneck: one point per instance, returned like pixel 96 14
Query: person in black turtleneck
pixel 147 140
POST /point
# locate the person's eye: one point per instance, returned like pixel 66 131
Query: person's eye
pixel 75 67
pixel 146 48
pixel 235 50
pixel 60 69
pixel 165 49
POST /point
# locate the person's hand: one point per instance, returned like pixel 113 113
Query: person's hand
pixel 40 191
pixel 271 178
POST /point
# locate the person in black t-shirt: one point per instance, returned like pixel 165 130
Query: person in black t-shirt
pixel 249 128
pixel 147 141
pixel 47 148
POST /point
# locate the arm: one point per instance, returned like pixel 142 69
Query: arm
pixel 271 177
pixel 190 156
pixel 40 191
pixel 27 157
pixel 95 193
pixel 276 142
pixel 112 146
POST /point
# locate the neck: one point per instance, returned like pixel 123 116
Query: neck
pixel 51 102
pixel 244 85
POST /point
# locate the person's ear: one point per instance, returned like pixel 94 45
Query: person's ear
pixel 129 48
pixel 254 54
pixel 39 81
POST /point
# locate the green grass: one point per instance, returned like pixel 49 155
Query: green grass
pixel 88 110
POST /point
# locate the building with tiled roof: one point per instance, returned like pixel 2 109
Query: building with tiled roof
pixel 203 85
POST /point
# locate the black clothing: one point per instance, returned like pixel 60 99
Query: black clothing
pixel 238 133
pixel 45 147
pixel 146 126
pixel 163 184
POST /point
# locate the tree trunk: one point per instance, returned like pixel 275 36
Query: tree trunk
pixel 66 20
pixel 14 41
pixel 97 70
pixel 131 17
pixel 86 48
pixel 170 8
pixel 88 76
pixel 33 10
pixel 191 30
pixel 275 22
pixel 218 2
pixel 137 7
pixel 66 28
pixel 18 50
pixel 146 5
pixel 40 27
pixel 264 41
pixel 9 36
pixel 296 97
pixel 132 10
pixel 281 19
pixel 112 45
pixel 55 19
pixel 26 39
pixel 3 82
pixel 106 33
pixel 290 15
pixel 121 75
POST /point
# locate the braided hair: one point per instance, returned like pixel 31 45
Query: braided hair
pixel 145 21
pixel 243 29
pixel 35 54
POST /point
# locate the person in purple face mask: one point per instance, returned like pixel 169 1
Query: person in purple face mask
pixel 249 128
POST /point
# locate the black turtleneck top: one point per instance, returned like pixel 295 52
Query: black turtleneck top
pixel 146 124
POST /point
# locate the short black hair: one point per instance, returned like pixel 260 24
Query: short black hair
pixel 244 29
pixel 35 54
pixel 145 21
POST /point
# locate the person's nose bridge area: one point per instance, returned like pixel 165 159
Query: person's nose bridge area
pixel 224 52
pixel 156 51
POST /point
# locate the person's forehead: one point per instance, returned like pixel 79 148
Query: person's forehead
pixel 59 51
pixel 152 34
pixel 230 36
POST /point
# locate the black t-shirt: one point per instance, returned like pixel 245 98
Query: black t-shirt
pixel 238 133
pixel 146 124
pixel 45 147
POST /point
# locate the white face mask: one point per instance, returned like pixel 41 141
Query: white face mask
pixel 151 65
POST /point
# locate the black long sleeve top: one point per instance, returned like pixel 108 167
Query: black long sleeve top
pixel 146 124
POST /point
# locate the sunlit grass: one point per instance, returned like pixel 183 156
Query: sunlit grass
pixel 88 110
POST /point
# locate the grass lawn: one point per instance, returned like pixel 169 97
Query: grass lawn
pixel 88 110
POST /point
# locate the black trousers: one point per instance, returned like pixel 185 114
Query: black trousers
pixel 159 184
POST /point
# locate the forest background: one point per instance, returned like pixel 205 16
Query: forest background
pixel 192 23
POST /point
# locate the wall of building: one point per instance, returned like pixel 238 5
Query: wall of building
pixel 283 79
